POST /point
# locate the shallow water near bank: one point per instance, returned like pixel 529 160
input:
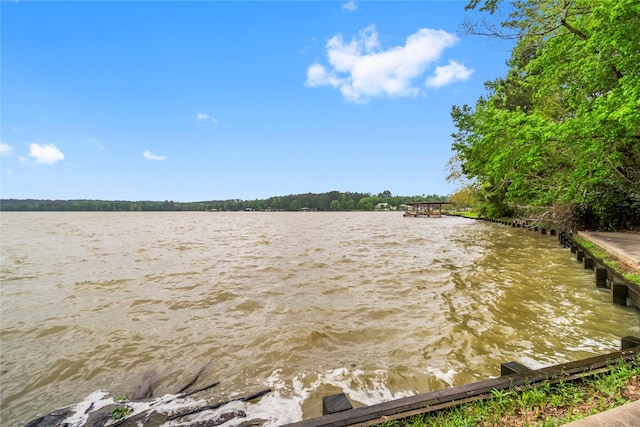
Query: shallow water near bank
pixel 309 304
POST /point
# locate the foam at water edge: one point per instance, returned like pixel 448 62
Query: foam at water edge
pixel 276 408
pixel 99 399
pixel 358 387
pixel 446 377
pixel 96 400
pixel 283 405
pixel 530 362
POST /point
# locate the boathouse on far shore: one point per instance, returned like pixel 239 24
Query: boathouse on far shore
pixel 425 209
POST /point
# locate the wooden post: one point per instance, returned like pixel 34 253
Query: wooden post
pixel 588 262
pixel 579 255
pixel 509 368
pixel 574 249
pixel 564 240
pixel 629 342
pixel 620 293
pixel 552 232
pixel 335 403
pixel 601 277
pixel 543 231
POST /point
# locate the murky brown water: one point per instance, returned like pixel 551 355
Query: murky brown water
pixel 309 304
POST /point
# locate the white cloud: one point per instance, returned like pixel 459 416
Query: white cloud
pixel 361 69
pixel 205 117
pixel 448 74
pixel 46 154
pixel 5 149
pixel 150 156
pixel 350 5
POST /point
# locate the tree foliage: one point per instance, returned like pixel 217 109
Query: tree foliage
pixel 563 126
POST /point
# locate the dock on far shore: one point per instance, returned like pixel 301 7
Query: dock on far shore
pixel 425 209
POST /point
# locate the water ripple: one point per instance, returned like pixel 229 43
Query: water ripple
pixel 375 305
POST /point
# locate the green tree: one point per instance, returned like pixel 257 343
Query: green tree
pixel 563 127
pixel 465 197
pixel 367 203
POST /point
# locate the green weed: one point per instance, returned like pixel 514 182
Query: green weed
pixel 123 410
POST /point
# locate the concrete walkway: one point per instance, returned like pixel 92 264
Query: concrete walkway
pixel 623 245
pixel 627 415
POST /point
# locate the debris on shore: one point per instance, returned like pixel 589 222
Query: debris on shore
pixel 102 409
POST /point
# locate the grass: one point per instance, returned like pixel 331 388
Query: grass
pixel 468 214
pixel 630 274
pixel 543 405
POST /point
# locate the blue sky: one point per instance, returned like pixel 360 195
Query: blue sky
pixel 213 100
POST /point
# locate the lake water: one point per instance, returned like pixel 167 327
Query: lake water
pixel 308 304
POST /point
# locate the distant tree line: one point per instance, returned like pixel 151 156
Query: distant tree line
pixel 330 201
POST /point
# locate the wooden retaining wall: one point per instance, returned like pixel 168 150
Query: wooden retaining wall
pixel 623 292
pixel 514 377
